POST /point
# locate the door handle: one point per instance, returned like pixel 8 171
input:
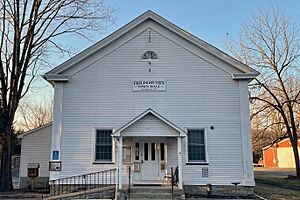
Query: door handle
pixel 142 161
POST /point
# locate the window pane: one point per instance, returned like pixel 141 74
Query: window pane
pixel 137 151
pixel 162 151
pixel 104 145
pixel 152 151
pixel 196 145
pixel 127 154
pixel 196 153
pixel 146 151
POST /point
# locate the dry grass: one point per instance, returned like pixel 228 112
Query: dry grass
pixel 272 186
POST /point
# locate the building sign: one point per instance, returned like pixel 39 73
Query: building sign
pixel 54 165
pixel 149 85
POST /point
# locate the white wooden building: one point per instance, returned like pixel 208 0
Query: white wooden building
pixel 165 97
pixel 35 149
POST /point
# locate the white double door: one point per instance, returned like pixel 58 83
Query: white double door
pixel 152 156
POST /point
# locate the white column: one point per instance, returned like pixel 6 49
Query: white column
pixel 179 154
pixel 246 134
pixel 120 152
pixel 56 125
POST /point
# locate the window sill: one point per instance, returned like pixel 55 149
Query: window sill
pixel 197 163
pixel 103 162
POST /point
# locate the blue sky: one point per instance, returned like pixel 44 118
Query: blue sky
pixel 209 20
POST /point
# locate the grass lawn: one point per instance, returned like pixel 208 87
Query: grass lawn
pixel 274 186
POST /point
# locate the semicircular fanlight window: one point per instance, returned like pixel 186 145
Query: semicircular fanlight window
pixel 149 55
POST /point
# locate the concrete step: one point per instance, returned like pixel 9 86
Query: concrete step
pixel 151 190
pixel 150 196
pixel 163 193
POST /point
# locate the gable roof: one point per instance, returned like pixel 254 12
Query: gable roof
pixel 276 144
pixel 246 71
pixel 117 133
pixel 34 130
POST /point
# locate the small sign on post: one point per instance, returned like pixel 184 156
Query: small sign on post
pixel 54 165
pixel 55 155
pixel 33 169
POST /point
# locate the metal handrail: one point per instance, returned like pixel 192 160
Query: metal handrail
pixel 129 180
pixel 172 182
pixel 82 182
pixel 174 179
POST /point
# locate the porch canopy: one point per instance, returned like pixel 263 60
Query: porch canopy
pixel 149 124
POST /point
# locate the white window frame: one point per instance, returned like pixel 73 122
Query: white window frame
pixel 205 145
pixel 94 140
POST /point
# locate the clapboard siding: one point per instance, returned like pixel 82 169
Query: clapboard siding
pixel 198 94
pixel 36 148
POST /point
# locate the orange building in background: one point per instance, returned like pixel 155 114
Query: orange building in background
pixel 280 154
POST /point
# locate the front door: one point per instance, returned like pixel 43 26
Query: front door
pixel 150 155
pixel 150 161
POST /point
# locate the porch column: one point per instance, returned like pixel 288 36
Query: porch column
pixel 120 152
pixel 179 153
pixel 56 127
pixel 246 134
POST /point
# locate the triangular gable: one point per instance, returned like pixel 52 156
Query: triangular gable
pixel 118 132
pixel 246 71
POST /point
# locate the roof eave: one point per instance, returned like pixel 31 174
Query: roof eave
pixel 202 44
pixel 52 78
pixel 244 76
pixel 101 44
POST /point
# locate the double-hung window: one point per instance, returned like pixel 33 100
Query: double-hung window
pixel 103 145
pixel 196 145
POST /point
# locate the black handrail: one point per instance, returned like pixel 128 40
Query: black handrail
pixel 172 182
pixel 82 182
pixel 129 177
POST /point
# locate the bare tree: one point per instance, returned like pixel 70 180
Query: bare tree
pixel 269 42
pixel 267 128
pixel 33 114
pixel 28 30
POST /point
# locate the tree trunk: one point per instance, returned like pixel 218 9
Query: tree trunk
pixel 296 157
pixel 6 176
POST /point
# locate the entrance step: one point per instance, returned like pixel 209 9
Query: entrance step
pixel 154 192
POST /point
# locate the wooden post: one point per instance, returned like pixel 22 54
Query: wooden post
pixel 179 153
pixel 120 152
pixel 246 134
pixel 56 126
